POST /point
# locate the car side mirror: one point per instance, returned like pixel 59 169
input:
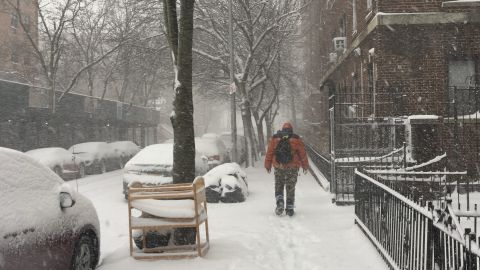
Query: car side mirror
pixel 204 158
pixel 66 200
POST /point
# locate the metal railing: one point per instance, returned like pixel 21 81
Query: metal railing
pixel 322 163
pixel 412 235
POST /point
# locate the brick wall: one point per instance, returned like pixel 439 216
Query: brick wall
pixel 13 40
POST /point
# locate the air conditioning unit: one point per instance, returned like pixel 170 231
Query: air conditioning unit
pixel 339 43
pixel 333 57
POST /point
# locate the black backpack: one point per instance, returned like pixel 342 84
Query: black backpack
pixel 283 152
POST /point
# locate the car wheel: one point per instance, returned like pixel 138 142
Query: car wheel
pixel 81 170
pixel 84 255
pixel 58 171
pixel 103 166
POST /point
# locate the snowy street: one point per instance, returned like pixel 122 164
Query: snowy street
pixel 246 235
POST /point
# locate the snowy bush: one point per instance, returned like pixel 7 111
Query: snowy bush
pixel 226 183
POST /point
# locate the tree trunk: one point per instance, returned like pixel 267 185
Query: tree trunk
pixel 293 110
pixel 268 123
pixel 248 127
pixel 180 36
pixel 260 134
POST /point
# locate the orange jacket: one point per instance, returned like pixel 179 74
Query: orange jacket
pixel 299 156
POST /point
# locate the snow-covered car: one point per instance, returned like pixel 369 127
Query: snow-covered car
pixel 213 148
pixel 226 183
pixel 125 150
pixel 59 160
pixel 153 166
pixel 98 157
pixel 226 138
pixel 45 223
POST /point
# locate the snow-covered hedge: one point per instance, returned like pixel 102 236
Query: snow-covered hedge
pixel 226 183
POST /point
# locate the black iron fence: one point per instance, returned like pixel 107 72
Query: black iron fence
pixel 321 162
pixel 413 235
pixel 370 130
pixel 376 143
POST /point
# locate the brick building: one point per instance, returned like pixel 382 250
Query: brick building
pixel 394 58
pixel 17 60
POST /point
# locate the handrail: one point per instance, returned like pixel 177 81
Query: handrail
pixel 396 194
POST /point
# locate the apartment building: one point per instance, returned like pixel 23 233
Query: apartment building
pixel 397 58
pixel 17 59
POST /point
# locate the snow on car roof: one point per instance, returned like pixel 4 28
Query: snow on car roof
pixel 103 149
pixel 209 146
pixel 50 156
pixel 210 136
pixel 128 147
pixel 155 154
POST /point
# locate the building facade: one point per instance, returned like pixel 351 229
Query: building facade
pixel 398 58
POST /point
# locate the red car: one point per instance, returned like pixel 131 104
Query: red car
pixel 59 160
pixel 44 223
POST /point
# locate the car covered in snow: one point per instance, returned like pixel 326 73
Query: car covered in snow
pixel 62 162
pixel 45 223
pixel 125 150
pixel 226 183
pixel 226 138
pixel 98 157
pixel 153 166
pixel 210 146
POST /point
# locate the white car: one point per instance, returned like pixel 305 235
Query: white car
pixel 125 150
pixel 99 157
pixel 213 148
pixel 59 160
pixel 226 138
pixel 153 166
pixel 45 223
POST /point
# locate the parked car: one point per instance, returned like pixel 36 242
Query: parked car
pixel 153 166
pixel 98 157
pixel 213 148
pixel 45 224
pixel 125 150
pixel 59 160
pixel 226 138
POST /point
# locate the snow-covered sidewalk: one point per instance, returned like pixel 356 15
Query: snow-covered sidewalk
pixel 247 235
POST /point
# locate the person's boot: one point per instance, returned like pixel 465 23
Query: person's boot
pixel 289 211
pixel 280 207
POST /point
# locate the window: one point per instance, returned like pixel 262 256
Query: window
pixel 26 22
pixel 462 92
pixel 343 26
pixel 14 21
pixel 370 4
pixel 14 56
pixel 461 73
pixel 354 16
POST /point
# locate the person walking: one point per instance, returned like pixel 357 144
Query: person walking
pixel 286 153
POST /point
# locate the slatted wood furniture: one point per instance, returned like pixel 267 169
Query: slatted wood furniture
pixel 168 207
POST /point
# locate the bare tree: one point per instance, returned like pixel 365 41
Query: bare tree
pixel 180 37
pixel 262 27
pixel 56 19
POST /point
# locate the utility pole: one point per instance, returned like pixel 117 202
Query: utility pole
pixel 233 105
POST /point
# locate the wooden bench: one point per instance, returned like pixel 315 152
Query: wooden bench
pixel 168 207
